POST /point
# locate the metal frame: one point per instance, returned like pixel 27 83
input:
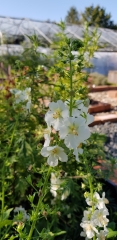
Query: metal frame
pixel 18 23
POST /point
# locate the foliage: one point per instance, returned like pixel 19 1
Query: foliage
pixel 30 55
pixel 97 16
pixel 72 16
pixel 84 52
pixel 94 16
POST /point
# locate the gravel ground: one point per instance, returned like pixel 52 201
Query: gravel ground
pixel 103 97
pixel 110 130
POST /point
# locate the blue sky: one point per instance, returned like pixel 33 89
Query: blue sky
pixel 55 10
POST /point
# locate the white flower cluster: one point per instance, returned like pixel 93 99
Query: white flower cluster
pixel 56 181
pixel 94 222
pixel 72 129
pixel 22 210
pixel 22 96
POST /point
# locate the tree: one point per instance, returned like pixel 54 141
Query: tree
pixel 97 16
pixel 72 16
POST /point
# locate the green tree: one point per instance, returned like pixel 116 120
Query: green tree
pixel 97 16
pixel 73 17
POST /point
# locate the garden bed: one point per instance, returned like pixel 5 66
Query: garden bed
pixel 111 182
pixel 102 88
pixel 101 119
pixel 99 106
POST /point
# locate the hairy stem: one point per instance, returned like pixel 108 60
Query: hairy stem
pixel 39 205
pixel 90 187
pixel 71 85
pixel 3 169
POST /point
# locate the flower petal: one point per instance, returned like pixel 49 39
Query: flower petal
pixel 63 156
pixel 52 161
pixel 44 152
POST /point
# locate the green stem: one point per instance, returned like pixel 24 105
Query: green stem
pixel 3 189
pixel 90 187
pixel 91 191
pixel 3 170
pixel 71 86
pixel 38 205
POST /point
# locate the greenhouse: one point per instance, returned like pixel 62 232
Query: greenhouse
pixel 18 29
pixel 14 31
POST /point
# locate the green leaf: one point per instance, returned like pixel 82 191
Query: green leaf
pixel 6 214
pixel 76 44
pixel 111 233
pixel 56 234
pixel 13 237
pixel 28 149
pixel 29 180
pixel 5 223
pixel 112 225
pixel 59 233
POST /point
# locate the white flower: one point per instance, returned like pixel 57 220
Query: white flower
pixel 77 151
pixel 76 111
pixel 47 133
pixel 80 106
pixel 100 201
pixel 76 108
pixel 81 110
pixel 95 219
pixel 74 132
pixel 65 194
pixel 97 200
pixel 28 105
pixel 87 215
pixel 83 234
pixel 89 228
pixel 89 118
pixel 55 116
pixel 55 185
pixel 99 217
pixel 89 201
pixel 22 96
pixel 102 235
pixel 18 94
pixel 23 211
pixel 27 94
pixel 54 154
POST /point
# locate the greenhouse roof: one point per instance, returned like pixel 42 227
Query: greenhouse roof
pixel 12 27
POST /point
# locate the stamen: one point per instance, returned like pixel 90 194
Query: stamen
pixel 55 151
pixel 57 114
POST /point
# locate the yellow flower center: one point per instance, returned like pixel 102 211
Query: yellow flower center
pixel 28 93
pixel 88 227
pixel 17 95
pixel 73 130
pixel 55 151
pixel 80 145
pixel 57 113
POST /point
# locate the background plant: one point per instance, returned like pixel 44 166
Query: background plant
pixel 24 171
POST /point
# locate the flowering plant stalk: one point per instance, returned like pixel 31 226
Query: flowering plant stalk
pixel 4 166
pixel 52 161
pixel 38 208
pixel 71 120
